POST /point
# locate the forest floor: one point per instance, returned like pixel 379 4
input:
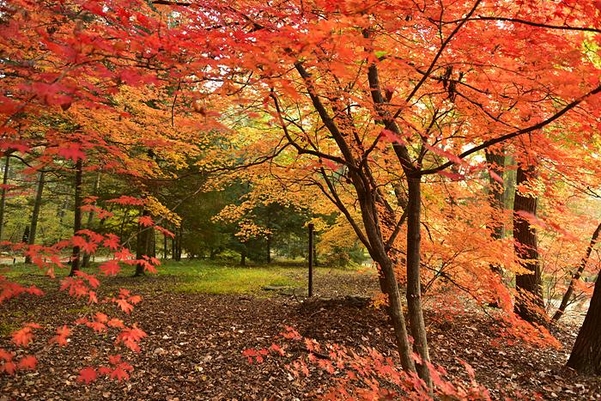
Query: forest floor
pixel 195 344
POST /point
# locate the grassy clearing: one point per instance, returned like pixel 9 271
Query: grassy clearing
pixel 201 276
pixel 211 278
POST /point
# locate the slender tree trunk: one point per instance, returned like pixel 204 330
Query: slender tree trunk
pixel 179 236
pixel 577 274
pixel 414 296
pixel 496 162
pixel 586 354
pixel 388 277
pixel 243 257
pixel 35 214
pixel 529 299
pixel 144 245
pixel 3 194
pixel 86 255
pixel 76 255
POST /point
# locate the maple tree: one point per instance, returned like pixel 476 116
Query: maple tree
pixel 378 100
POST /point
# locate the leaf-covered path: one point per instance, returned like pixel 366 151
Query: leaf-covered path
pixel 195 343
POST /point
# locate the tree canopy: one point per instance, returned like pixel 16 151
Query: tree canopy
pixel 389 114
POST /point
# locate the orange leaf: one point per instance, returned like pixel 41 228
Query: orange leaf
pixel 23 336
pixel 124 305
pixel 146 221
pixel 110 268
pixel 87 375
pixel 28 362
pixel 62 333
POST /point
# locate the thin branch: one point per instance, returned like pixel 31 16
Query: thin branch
pixel 325 117
pixel 439 54
pixel 397 230
pixel 300 149
pixel 519 132
pixel 338 202
pixel 530 23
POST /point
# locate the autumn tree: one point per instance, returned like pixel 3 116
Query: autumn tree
pixel 378 101
pixel 387 108
pixel 63 60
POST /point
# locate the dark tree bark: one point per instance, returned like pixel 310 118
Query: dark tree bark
pixel 243 257
pixel 86 256
pixel 529 299
pixel 176 244
pixel 165 246
pixel 144 245
pixel 35 214
pixel 577 274
pixel 586 354
pixel 496 162
pixel 5 171
pixel 414 296
pixel 268 250
pixel 76 255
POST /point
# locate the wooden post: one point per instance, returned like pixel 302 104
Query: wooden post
pixel 311 227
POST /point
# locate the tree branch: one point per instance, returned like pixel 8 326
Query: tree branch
pixel 519 132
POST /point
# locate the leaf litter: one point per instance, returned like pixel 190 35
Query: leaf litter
pixel 198 347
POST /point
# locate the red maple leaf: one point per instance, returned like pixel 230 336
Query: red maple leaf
pixel 146 221
pixel 62 333
pixel 112 242
pixel 28 362
pixel 24 336
pixel 110 268
pixel 5 355
pixel 87 375
pixel 9 367
pixel 115 359
pixel 124 305
pixel 71 151
pixel 130 337
pixel 127 200
pixel 123 254
pixel 117 323
pixel 101 317
pixel 120 372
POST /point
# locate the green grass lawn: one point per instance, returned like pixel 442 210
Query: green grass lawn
pixel 209 277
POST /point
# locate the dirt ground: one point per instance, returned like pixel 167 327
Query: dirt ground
pixel 195 344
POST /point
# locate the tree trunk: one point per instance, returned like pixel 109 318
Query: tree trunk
pixel 86 255
pixel 268 250
pixel 35 214
pixel 577 274
pixel 371 209
pixel 75 257
pixel 496 162
pixel 3 194
pixel 388 277
pixel 178 243
pixel 586 354
pixel 144 245
pixel 414 296
pixel 529 299
pixel 243 257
